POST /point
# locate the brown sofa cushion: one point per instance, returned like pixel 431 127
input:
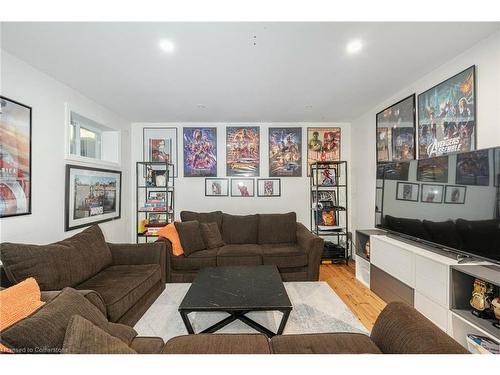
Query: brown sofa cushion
pixel 83 337
pixel 278 228
pixel 240 229
pixel 211 235
pixel 203 217
pixel 122 286
pixel 195 261
pixel 218 344
pixel 147 345
pixel 58 265
pixel 239 255
pixel 284 255
pixel 190 235
pixel 324 343
pixel 44 330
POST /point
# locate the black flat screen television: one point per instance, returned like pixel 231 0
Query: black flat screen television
pixel 451 202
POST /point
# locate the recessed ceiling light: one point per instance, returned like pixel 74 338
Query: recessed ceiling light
pixel 354 46
pixel 166 45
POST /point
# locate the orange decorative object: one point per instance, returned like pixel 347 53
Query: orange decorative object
pixel 170 233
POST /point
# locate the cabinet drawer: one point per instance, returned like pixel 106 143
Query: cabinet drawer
pixel 431 280
pixel 432 311
pixel 394 260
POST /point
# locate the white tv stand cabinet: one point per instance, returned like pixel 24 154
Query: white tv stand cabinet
pixel 398 270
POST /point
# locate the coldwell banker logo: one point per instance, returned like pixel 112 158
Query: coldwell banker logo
pixel 443 147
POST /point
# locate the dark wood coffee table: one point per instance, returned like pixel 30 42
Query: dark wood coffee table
pixel 237 291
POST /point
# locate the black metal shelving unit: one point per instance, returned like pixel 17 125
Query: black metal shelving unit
pixel 148 180
pixel 328 192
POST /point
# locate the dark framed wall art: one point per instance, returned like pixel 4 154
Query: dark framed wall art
pixel 433 170
pixel 160 145
pixel 93 195
pixel 447 116
pixel 242 187
pixel 200 152
pixel 285 152
pixel 216 187
pixel 432 193
pixel 15 157
pixel 473 168
pixel 454 194
pixel 243 151
pixel 323 144
pixel 407 191
pixel 268 187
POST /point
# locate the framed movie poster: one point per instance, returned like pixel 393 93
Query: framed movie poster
pixel 268 187
pixel 243 151
pixel 160 145
pixel 406 191
pixel 242 187
pixel 496 168
pixel 323 144
pixel 473 168
pixel 285 152
pixel 432 193
pixel 216 187
pixel 93 196
pixel 396 171
pixel 15 158
pixel 447 116
pixel 200 152
pixel 433 170
pixel 395 128
pixel 454 194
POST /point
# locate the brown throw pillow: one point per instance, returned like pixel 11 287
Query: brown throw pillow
pixel 44 330
pixel 190 235
pixel 211 235
pixel 84 337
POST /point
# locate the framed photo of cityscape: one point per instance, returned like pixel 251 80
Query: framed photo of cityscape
pixel 93 196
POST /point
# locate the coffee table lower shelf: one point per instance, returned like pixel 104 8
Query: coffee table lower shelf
pixel 234 315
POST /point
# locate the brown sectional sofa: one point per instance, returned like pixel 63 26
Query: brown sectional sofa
pixel 250 240
pixel 128 278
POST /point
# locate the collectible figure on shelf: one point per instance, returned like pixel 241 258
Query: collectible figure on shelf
pixel 482 294
pixel 495 305
pixel 367 249
pixel 150 176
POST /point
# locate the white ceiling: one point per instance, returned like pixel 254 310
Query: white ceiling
pixel 292 66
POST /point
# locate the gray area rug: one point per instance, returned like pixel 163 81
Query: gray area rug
pixel 316 309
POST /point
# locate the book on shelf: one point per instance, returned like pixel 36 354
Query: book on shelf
pixel 329 228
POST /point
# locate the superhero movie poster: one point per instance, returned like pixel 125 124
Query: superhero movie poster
pixel 285 152
pixel 323 144
pixel 243 151
pixel 446 116
pixel 200 152
pixel 15 158
pixel 396 131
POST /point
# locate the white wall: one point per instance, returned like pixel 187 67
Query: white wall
pixel 47 97
pixel 190 191
pixel 486 56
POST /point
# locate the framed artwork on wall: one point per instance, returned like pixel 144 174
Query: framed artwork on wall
pixel 285 152
pixel 432 193
pixel 200 152
pixel 395 131
pixel 433 170
pixel 157 218
pixel 473 168
pixel 216 187
pixel 496 169
pixel 243 151
pixel 160 145
pixel 15 157
pixel 323 144
pixel 454 194
pixel 396 171
pixel 268 187
pixel 242 187
pixel 406 191
pixel 93 195
pixel 447 116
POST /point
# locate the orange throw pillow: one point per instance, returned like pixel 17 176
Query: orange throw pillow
pixel 170 233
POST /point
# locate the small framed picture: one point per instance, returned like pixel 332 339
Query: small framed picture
pixel 268 187
pixel 157 217
pixel 406 191
pixel 325 176
pixel 242 187
pixel 157 195
pixel 216 187
pixel 455 194
pixel 432 193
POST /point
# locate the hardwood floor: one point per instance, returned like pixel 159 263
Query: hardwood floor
pixel 365 304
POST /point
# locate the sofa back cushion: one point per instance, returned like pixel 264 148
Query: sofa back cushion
pixel 203 217
pixel 278 228
pixel 58 265
pixel 190 236
pixel 485 232
pixel 412 227
pixel 211 235
pixel 240 229
pixel 44 330
pixel 443 233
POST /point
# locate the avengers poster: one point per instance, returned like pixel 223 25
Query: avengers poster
pixel 243 151
pixel 447 117
pixel 323 144
pixel 200 152
pixel 285 152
